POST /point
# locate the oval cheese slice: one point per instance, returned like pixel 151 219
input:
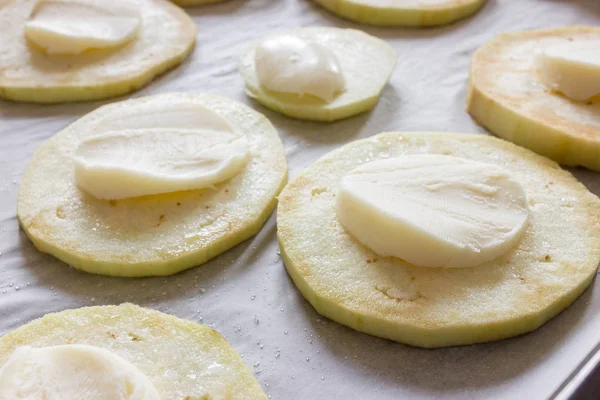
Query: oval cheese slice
pixel 186 150
pixel 290 64
pixel 571 68
pixel 73 26
pixel 72 372
pixel 433 210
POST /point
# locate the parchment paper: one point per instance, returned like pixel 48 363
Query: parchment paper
pixel 246 294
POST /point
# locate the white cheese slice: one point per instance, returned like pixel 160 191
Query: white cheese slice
pixel 161 152
pixel 72 372
pixel 74 26
pixel 290 64
pixel 571 68
pixel 433 210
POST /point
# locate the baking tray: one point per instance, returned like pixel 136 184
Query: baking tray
pixel 245 293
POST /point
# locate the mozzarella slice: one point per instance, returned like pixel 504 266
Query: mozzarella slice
pixel 162 152
pixel 72 372
pixel 571 68
pixel 74 26
pixel 433 210
pixel 290 64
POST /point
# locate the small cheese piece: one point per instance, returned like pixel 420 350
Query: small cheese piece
pixel 169 151
pixel 72 372
pixel 74 26
pixel 289 64
pixel 433 210
pixel 571 68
